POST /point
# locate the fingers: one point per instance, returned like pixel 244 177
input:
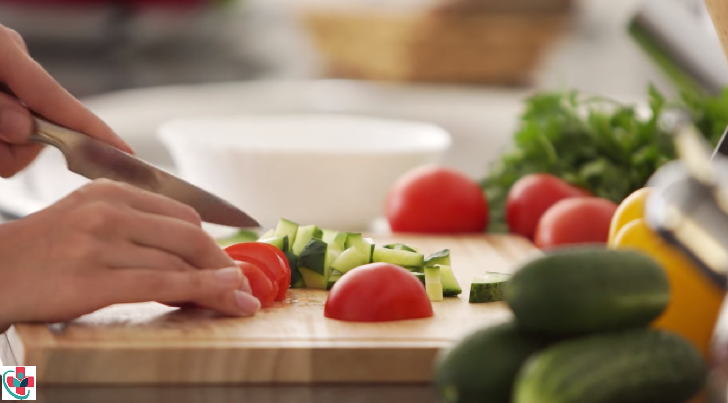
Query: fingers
pixel 128 255
pixel 43 94
pixel 143 285
pixel 15 36
pixel 15 127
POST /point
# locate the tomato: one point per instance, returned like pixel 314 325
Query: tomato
pixel 271 260
pixel 377 292
pixel 435 199
pixel 530 197
pixel 574 221
pixel 260 285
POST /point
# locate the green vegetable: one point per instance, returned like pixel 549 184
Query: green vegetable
pixel 587 289
pixel 594 142
pixel 488 288
pixel 638 365
pixel 238 237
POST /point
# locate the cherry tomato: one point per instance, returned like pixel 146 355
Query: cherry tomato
pixel 530 197
pixel 377 292
pixel 575 221
pixel 271 260
pixel 436 199
pixel 261 286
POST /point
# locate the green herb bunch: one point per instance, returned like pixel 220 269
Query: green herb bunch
pixel 606 147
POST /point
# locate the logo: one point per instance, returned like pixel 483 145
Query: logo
pixel 18 383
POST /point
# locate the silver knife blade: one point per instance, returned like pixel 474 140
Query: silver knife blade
pixel 94 159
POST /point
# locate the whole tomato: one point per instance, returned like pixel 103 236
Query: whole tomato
pixel 574 221
pixel 530 197
pixel 436 199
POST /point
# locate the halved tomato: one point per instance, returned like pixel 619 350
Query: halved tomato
pixel 260 285
pixel 271 260
pixel 377 292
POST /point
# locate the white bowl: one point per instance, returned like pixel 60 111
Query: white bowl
pixel 332 170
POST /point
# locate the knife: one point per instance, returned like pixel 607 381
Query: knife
pixel 94 159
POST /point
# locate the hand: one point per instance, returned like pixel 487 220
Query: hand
pixel 110 243
pixel 39 92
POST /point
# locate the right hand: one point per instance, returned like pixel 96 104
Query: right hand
pixel 109 243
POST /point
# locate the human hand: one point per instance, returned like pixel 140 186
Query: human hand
pixel 39 92
pixel 109 243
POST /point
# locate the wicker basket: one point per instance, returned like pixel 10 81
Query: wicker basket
pixel 436 45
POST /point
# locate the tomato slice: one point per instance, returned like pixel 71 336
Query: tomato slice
pixel 271 260
pixel 377 292
pixel 260 285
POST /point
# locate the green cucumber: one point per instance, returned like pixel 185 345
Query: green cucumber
pixel 268 234
pixel 348 260
pixel 335 275
pixel 303 235
pixel 441 257
pixel 363 245
pixel 410 260
pixel 296 277
pixel 400 246
pixel 433 286
pixel 450 286
pixel 482 366
pixel 239 237
pixel 488 288
pixel 312 263
pixel 280 242
pixel 287 228
pixel 587 289
pixel 420 276
pixel 635 365
pixel 335 239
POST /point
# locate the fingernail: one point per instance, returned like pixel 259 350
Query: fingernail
pixel 246 302
pixel 230 275
pixel 14 125
pixel 245 286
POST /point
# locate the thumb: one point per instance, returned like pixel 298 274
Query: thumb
pixel 16 124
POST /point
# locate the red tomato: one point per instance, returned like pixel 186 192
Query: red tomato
pixel 574 221
pixel 261 286
pixel 435 199
pixel 377 292
pixel 271 260
pixel 530 197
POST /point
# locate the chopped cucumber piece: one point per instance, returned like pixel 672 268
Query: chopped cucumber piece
pixel 433 286
pixel 420 276
pixel 296 278
pixel 363 245
pixel 280 242
pixel 287 228
pixel 488 288
pixel 348 260
pixel 400 246
pixel 336 240
pixel 303 235
pixel 268 234
pixel 441 257
pixel 238 237
pixel 410 260
pixel 335 275
pixel 313 264
pixel 450 286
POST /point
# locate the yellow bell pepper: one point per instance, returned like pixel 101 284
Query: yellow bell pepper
pixel 695 301
pixel 631 208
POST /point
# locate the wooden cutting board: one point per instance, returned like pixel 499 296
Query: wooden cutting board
pixel 291 342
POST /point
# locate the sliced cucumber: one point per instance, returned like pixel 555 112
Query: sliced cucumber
pixel 488 288
pixel 268 234
pixel 413 261
pixel 348 260
pixel 287 228
pixel 336 240
pixel 420 276
pixel 335 275
pixel 303 235
pixel 400 246
pixel 450 286
pixel 441 257
pixel 296 277
pixel 238 237
pixel 313 264
pixel 280 242
pixel 364 245
pixel 433 286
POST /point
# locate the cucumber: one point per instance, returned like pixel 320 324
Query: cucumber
pixel 400 246
pixel 335 239
pixel 280 242
pixel 413 261
pixel 441 257
pixel 635 365
pixel 450 286
pixel 303 235
pixel 239 237
pixel 587 289
pixel 363 245
pixel 335 275
pixel 287 228
pixel 268 234
pixel 433 286
pixel 488 288
pixel 420 276
pixel 482 366
pixel 312 264
pixel 348 260
pixel 296 277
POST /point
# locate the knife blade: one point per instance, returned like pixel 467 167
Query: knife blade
pixel 94 159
